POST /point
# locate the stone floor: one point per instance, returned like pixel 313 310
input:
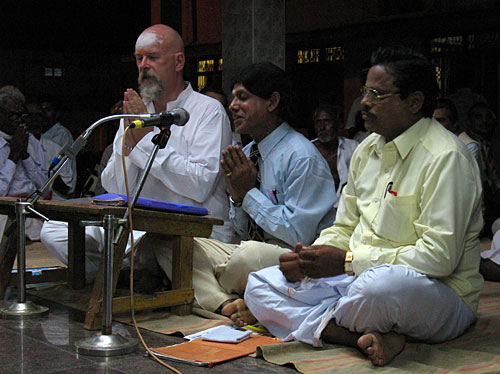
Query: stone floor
pixel 45 345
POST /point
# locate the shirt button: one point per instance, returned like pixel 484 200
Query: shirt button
pixel 364 241
pixel 375 200
pixel 386 171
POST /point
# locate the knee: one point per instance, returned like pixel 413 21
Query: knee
pixel 381 282
pixel 254 256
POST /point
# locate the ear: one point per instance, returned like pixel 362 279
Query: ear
pixel 273 101
pixel 416 101
pixel 180 60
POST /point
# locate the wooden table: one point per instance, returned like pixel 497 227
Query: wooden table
pixel 182 228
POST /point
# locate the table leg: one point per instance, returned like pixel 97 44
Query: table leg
pixel 182 269
pixel 76 255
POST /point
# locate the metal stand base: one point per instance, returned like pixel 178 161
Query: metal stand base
pixel 106 345
pixel 23 311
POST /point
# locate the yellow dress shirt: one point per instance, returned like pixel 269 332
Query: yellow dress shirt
pixel 414 201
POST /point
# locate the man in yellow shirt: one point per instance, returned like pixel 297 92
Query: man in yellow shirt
pixel 402 258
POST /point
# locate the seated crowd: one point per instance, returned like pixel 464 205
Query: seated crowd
pixel 330 240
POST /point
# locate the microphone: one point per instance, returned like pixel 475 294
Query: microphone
pixel 68 150
pixel 178 116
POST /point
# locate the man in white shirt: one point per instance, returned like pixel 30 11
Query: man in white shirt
pixel 187 170
pixel 337 150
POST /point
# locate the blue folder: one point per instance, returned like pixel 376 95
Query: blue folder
pixel 167 206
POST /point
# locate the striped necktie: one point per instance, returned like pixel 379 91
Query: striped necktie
pixel 254 231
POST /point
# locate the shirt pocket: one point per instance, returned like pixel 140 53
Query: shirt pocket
pixel 395 220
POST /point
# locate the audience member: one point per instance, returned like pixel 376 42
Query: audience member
pixel 446 114
pixel 478 139
pixel 219 95
pixel 37 122
pixel 281 189
pixel 464 98
pixel 337 150
pixel 186 171
pixel 23 169
pixel 402 258
pixel 358 132
pixel 59 134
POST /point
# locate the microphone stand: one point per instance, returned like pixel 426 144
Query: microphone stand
pixel 107 343
pixel 23 309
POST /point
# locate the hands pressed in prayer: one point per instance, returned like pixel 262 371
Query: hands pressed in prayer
pixel 315 261
pixel 19 143
pixel 133 104
pixel 240 172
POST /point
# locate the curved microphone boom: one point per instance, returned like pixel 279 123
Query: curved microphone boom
pixel 178 116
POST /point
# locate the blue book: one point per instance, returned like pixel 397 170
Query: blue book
pixel 166 206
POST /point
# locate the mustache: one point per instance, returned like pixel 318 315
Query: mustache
pixel 365 111
pixel 147 74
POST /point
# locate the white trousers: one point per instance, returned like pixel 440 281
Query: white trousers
pixel 220 270
pixel 54 236
pixel 383 299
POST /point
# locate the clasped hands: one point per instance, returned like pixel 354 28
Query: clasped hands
pixel 240 172
pixel 315 261
pixel 19 143
pixel 133 104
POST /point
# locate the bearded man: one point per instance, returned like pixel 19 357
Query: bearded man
pixel 336 149
pixel 186 171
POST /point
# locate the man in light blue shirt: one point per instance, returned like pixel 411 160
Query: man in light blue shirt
pixel 284 195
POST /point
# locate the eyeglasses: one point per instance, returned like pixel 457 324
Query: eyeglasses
pixel 15 116
pixel 374 96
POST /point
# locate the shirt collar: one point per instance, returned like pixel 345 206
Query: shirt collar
pixel 405 141
pixel 177 103
pixel 181 99
pixel 267 144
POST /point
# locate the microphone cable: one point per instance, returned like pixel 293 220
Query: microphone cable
pixel 132 255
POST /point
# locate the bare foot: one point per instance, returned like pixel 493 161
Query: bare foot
pixel 381 349
pixel 238 312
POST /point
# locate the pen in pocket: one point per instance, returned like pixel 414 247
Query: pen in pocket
pixel 274 196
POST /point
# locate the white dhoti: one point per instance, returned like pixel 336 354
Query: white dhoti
pixel 385 298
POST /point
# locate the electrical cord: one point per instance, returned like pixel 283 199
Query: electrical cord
pixel 132 253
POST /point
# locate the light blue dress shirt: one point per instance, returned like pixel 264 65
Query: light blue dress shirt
pixel 297 193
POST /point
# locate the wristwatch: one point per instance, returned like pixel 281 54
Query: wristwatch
pixel 348 263
pixel 235 204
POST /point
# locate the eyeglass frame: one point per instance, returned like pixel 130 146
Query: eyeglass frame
pixel 15 116
pixel 375 96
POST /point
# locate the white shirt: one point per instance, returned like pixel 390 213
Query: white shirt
pixel 51 149
pixel 188 169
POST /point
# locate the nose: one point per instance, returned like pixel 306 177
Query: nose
pixel 143 63
pixel 365 102
pixel 232 105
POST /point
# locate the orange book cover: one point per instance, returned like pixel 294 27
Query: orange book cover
pixel 206 353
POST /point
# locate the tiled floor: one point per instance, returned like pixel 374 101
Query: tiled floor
pixel 47 345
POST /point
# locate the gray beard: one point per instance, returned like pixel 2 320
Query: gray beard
pixel 325 137
pixel 150 91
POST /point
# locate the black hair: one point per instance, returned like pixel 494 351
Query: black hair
pixel 411 71
pixel 264 78
pixel 444 103
pixel 216 90
pixel 333 110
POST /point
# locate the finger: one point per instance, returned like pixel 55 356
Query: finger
pixel 235 155
pixel 225 169
pixel 297 248
pixel 288 256
pixel 228 159
pixel 308 255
